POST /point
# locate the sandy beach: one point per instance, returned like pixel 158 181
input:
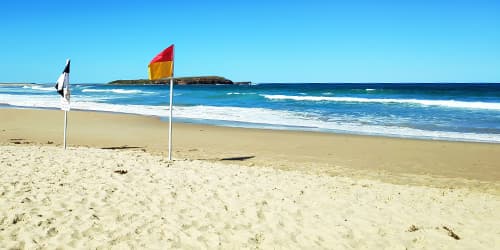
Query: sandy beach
pixel 232 188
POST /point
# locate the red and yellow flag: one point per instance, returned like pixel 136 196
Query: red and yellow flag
pixel 162 65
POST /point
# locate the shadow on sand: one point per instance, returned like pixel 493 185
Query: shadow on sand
pixel 122 147
pixel 238 158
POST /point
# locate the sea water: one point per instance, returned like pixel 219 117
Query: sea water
pixel 444 111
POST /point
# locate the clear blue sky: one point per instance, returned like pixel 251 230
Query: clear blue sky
pixel 259 41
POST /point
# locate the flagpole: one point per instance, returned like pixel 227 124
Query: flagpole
pixel 158 68
pixel 62 87
pixel 170 119
pixel 65 126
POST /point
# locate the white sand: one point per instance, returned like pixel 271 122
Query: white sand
pixel 51 198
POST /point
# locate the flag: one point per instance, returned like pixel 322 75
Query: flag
pixel 62 87
pixel 162 65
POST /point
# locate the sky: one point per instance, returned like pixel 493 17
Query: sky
pixel 259 41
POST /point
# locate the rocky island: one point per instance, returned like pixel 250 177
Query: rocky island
pixel 181 81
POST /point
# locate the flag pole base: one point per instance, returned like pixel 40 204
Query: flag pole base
pixel 65 127
pixel 170 120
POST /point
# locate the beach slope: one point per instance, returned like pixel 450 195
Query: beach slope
pixel 237 188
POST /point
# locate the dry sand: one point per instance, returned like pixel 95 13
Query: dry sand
pixel 50 198
pixel 235 188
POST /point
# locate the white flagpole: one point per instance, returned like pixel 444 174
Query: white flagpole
pixel 64 81
pixel 170 119
pixel 65 126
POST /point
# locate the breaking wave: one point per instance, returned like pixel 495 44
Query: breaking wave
pixel 443 103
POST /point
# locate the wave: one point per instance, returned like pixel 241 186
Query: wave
pixel 239 93
pixel 299 121
pixel 117 91
pixel 443 103
pixel 40 88
pixel 252 117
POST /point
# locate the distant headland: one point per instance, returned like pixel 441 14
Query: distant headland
pixel 192 80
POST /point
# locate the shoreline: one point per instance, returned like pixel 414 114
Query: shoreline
pixel 247 125
pixel 282 149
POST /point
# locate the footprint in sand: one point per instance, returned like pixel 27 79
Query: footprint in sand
pixel 260 215
pixel 18 218
pixel 203 228
pixel 76 235
pixel 120 218
pixel 52 232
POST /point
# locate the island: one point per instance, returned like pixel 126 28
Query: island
pixel 181 81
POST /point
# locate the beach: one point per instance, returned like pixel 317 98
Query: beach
pixel 232 188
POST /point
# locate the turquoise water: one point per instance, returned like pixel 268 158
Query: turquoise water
pixel 451 111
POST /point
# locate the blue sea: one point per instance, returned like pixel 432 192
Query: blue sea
pixel 444 111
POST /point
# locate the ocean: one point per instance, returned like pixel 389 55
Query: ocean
pixel 437 111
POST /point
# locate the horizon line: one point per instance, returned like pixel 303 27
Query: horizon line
pixel 256 83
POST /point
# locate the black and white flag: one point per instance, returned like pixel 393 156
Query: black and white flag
pixel 62 87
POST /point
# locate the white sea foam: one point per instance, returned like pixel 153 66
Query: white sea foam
pixel 443 103
pixel 39 101
pixel 300 121
pixel 369 89
pixel 254 117
pixel 117 91
pixel 239 93
pixel 40 88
